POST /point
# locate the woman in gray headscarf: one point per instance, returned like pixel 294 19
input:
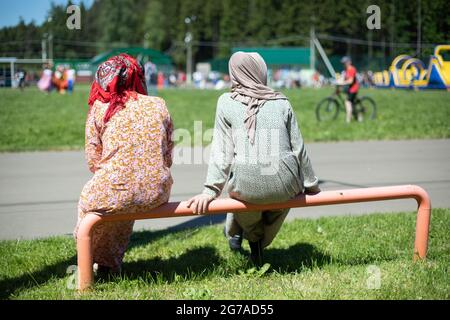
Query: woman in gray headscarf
pixel 258 150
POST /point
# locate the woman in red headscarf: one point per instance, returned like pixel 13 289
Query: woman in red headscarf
pixel 129 150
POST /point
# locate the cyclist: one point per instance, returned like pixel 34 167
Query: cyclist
pixel 351 81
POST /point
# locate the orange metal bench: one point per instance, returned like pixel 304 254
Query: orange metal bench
pixel 177 209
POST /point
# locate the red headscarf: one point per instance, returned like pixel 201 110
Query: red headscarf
pixel 116 81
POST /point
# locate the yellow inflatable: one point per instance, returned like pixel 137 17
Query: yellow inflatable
pixel 408 72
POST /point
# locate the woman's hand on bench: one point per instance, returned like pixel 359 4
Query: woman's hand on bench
pixel 199 203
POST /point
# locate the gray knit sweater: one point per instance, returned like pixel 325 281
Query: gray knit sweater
pixel 273 169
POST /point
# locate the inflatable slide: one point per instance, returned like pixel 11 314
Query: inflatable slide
pixel 411 73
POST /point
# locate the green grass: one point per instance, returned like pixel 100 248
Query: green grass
pixel 32 120
pixel 327 258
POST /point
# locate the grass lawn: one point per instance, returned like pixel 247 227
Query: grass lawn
pixel 32 120
pixel 327 258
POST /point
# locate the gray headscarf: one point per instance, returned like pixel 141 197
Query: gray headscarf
pixel 248 73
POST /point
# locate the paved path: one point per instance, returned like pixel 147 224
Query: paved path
pixel 39 190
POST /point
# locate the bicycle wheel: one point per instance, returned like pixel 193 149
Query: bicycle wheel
pixel 367 108
pixel 327 109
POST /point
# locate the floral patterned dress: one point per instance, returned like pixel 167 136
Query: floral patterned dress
pixel 130 157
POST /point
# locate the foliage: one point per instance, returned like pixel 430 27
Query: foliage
pixel 222 24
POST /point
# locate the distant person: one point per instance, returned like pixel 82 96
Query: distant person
pixel 181 77
pixel 369 75
pixel 316 80
pixel 59 79
pixel 151 74
pixel 173 79
pixel 321 80
pixel 45 82
pixel 161 80
pixel 70 74
pixel 220 84
pixel 258 151
pixel 129 150
pixel 20 76
pixel 351 81
pixel 197 77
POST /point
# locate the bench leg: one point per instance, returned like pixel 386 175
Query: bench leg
pixel 85 251
pixel 422 229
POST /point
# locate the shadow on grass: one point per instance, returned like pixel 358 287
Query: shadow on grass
pixel 296 258
pixel 34 279
pixel 192 264
pixel 304 255
pixel 198 262
pixel 195 263
pixel 142 238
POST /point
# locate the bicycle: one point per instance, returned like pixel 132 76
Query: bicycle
pixel 328 108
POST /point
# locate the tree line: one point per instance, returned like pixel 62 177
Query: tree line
pixel 219 25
